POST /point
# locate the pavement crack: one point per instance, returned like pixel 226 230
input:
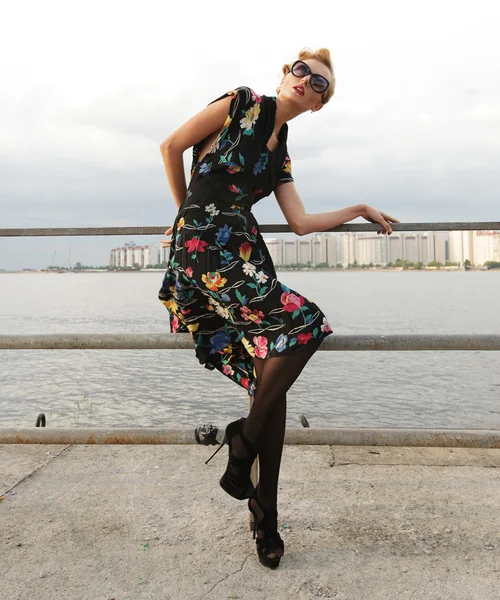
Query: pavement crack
pixel 37 469
pixel 224 579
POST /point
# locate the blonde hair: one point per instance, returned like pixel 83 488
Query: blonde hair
pixel 323 55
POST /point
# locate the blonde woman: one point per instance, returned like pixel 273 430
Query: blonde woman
pixel 221 284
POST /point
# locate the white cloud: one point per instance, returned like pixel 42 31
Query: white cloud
pixel 89 90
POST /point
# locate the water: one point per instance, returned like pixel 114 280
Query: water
pixel 99 388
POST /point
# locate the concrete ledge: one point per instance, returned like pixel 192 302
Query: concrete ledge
pixel 141 522
pixel 348 436
pixel 432 457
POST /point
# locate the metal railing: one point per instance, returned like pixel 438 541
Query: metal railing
pixel 271 228
pixel 184 341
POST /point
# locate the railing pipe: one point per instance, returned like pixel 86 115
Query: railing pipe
pixel 369 436
pixel 264 228
pixel 184 341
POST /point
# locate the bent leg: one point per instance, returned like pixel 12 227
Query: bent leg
pixel 277 378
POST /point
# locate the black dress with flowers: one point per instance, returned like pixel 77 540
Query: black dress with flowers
pixel 221 284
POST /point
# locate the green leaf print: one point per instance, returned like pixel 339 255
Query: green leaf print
pixel 263 290
pixel 295 313
pixel 271 345
pixel 242 160
pixel 239 296
pixel 292 342
pixel 315 332
pixel 248 132
pixel 252 285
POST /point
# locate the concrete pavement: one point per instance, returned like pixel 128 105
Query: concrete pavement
pixel 151 522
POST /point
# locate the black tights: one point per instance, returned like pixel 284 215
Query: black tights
pixel 265 424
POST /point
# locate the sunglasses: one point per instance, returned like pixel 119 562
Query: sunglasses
pixel 318 83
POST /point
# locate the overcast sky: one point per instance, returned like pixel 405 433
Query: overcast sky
pixel 89 90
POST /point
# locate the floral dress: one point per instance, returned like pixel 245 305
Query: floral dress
pixel 221 284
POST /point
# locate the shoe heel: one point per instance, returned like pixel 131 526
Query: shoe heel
pixel 255 520
pixel 224 441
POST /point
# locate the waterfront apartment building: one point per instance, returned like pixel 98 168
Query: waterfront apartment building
pixel 383 249
pixel 320 248
pixel 130 255
pixel 477 247
pixel 486 246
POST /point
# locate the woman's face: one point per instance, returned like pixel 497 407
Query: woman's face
pixel 298 89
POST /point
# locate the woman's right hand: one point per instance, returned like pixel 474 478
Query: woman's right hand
pixel 166 243
pixel 376 216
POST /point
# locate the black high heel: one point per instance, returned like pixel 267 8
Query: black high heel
pixel 236 478
pixel 271 542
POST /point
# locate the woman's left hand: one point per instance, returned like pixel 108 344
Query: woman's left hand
pixel 376 216
pixel 166 243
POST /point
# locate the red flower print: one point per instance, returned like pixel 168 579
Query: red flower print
pixel 303 338
pixel 189 272
pixel 255 97
pixel 260 346
pixel 196 244
pixel 245 251
pixel 233 188
pixel 291 302
pixel 244 382
pixel 175 323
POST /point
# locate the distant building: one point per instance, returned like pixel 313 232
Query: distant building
pixel 321 248
pixel 383 249
pixel 348 248
pixel 275 248
pixel 477 247
pixel 461 247
pixel 128 256
pixel 486 246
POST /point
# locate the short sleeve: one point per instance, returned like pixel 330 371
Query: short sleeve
pixel 243 112
pixel 243 99
pixel 284 174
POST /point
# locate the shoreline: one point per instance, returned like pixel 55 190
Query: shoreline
pixel 325 270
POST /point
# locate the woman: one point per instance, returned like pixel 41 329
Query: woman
pixel 221 284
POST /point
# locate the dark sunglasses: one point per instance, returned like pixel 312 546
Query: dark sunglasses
pixel 318 83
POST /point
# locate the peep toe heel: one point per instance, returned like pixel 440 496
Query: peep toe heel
pixel 271 542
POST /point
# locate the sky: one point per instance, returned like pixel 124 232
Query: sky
pixel 89 90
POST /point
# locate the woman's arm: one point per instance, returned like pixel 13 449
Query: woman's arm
pixel 209 120
pixel 302 223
